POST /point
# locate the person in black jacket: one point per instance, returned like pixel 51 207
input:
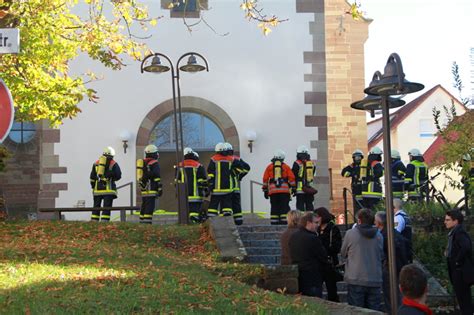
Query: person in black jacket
pixel 307 251
pixel 459 256
pixel 330 236
pixel 401 258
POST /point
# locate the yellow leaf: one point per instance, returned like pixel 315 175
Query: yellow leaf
pixel 153 22
pixel 266 31
pixel 171 5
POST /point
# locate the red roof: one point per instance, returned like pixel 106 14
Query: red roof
pixel 397 117
pixel 429 154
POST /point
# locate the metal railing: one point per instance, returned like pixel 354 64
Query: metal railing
pixel 346 208
pixel 252 182
pixel 122 213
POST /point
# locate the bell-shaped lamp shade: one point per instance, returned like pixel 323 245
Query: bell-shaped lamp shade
pixel 373 103
pixel 393 82
pixel 192 65
pixel 251 135
pixel 156 66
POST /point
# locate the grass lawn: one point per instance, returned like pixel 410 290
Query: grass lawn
pixel 123 268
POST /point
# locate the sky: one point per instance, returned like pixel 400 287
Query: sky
pixel 427 34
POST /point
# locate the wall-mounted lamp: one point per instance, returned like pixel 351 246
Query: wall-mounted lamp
pixel 125 136
pixel 251 137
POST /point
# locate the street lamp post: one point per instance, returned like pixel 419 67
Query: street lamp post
pixel 392 82
pixel 192 66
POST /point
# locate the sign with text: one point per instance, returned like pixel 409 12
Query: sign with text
pixel 9 40
pixel 7 111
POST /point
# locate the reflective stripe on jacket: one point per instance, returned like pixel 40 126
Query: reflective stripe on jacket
pixel 219 173
pixel 196 179
pixel 103 186
pixel 282 186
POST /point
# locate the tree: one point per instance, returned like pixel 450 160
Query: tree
pixel 457 136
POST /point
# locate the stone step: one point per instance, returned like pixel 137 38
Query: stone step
pixel 263 259
pixel 260 236
pixel 261 243
pixel 263 250
pixel 261 228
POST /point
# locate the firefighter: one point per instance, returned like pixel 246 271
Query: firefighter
pixel 219 173
pixel 105 172
pixel 353 171
pixel 242 169
pixel 304 171
pixel 370 175
pixel 195 176
pixel 278 184
pixel 416 176
pixel 398 174
pixel 149 181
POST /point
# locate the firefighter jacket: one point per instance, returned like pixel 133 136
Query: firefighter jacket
pixel 416 175
pixel 219 173
pixel 398 177
pixel 278 178
pixel 241 169
pixel 304 171
pixel 150 184
pixel 353 171
pixel 193 173
pixel 371 186
pixel 105 185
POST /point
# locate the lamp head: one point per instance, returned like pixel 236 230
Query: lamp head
pixel 156 66
pixel 192 65
pixel 372 103
pixel 393 81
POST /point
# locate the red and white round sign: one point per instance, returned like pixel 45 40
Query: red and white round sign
pixel 7 111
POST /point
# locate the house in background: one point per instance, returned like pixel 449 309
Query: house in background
pixel 412 126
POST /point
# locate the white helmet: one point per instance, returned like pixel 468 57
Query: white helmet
pixel 196 154
pixel 302 149
pixel 466 157
pixel 414 152
pixel 109 151
pixel 220 147
pixel 151 148
pixel 228 146
pixel 187 151
pixel 376 150
pixel 395 154
pixel 357 152
pixel 279 155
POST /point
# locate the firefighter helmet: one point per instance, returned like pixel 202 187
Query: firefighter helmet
pixel 187 151
pixel 466 157
pixel 228 146
pixel 279 155
pixel 109 151
pixel 376 150
pixel 302 149
pixel 151 148
pixel 395 154
pixel 220 147
pixel 357 152
pixel 414 152
pixel 196 154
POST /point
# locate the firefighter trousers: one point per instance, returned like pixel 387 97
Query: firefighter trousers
pixel 237 208
pixel 108 201
pixel 304 202
pixel 195 211
pixel 147 209
pixel 224 202
pixel 279 207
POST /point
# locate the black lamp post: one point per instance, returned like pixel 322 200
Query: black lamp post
pixel 192 66
pixel 392 82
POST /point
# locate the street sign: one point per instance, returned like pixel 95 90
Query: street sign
pixel 7 111
pixel 9 40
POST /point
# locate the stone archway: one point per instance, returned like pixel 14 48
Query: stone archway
pixel 163 110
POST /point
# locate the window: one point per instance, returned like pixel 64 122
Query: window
pixel 185 8
pixel 185 5
pixel 427 128
pixel 22 132
pixel 199 132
